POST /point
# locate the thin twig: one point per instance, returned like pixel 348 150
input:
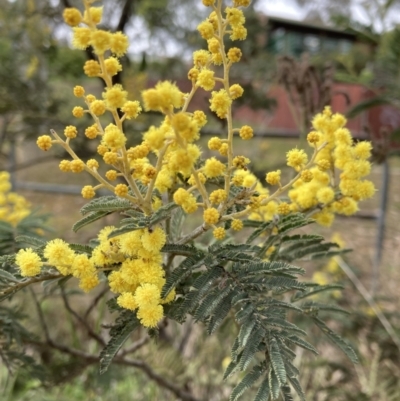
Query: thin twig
pixel 368 297
pixel 135 346
pixel 119 360
pixel 95 301
pixel 84 323
pixel 40 314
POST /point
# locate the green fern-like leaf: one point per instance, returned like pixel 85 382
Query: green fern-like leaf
pixel 293 221
pixel 107 204
pixel 336 339
pixel 221 311
pixel 251 347
pixel 138 225
pixel 301 343
pixel 287 394
pixel 7 277
pixel 311 306
pixel 277 360
pixel 315 290
pixel 247 382
pixel 125 325
pixel 184 250
pixel 274 384
pixel 180 273
pixel 81 248
pixel 27 239
pixel 210 303
pixel 88 219
pixel 263 391
pixel 263 227
pixel 297 387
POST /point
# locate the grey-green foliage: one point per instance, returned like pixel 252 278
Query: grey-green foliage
pixel 237 280
pixel 12 332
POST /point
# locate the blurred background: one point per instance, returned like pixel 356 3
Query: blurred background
pixel 300 56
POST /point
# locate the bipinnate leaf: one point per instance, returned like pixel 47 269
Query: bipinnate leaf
pixel 126 323
pixel 247 382
pixel 336 339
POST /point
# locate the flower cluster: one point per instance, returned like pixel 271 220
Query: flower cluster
pixel 334 182
pixel 13 207
pixel 139 278
pixel 167 165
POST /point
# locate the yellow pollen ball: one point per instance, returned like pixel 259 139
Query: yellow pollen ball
pixel 92 68
pixel 283 208
pixel 78 112
pixel 313 137
pixel 121 190
pixel 206 79
pixel 79 91
pixel 88 192
pixel 246 132
pixel 241 3
pixel 115 97
pixel 307 175
pixel 325 195
pixel 240 162
pixel 127 301
pixel 213 168
pixel 208 3
pixel 102 150
pixel 131 109
pixel 193 74
pixel 218 196
pixel 111 175
pixel 70 131
pixel 110 157
pixel 94 15
pixel 274 177
pixel 98 107
pixel 213 45
pixel 65 166
pixel 113 138
pixel 224 149
pixel 44 142
pixel 219 233
pixel 119 44
pixel 237 225
pixel 324 164
pixel 234 54
pixel 239 32
pixel 87 283
pixel 77 166
pixel 201 58
pixel 296 158
pixel 214 143
pixel 162 97
pixel 101 41
pixel 150 315
pixel 236 91
pixel 81 38
pixel 112 66
pixel 92 164
pixel 211 216
pixel 92 131
pixel 90 98
pixel 200 118
pixel 29 262
pixel 206 29
pixel 72 16
pixel 220 103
